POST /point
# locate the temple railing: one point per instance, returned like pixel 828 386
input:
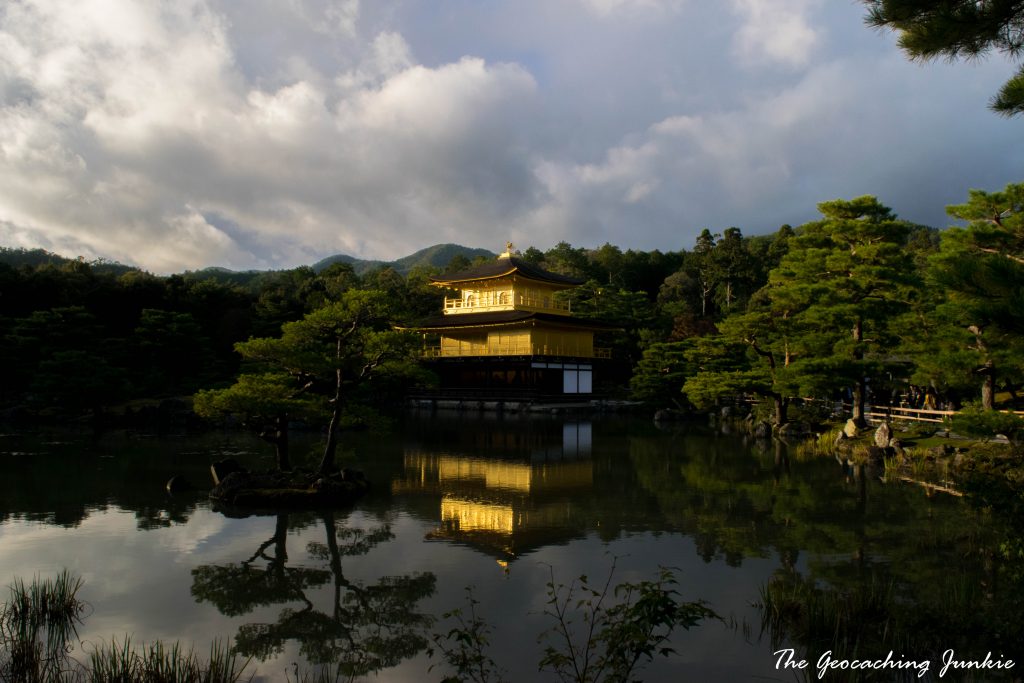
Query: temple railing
pixel 515 350
pixel 505 300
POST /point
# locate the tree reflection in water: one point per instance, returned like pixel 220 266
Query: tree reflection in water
pixel 366 628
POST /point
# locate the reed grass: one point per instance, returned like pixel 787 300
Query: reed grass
pixel 36 624
pixel 829 619
pixel 162 663
pixel 38 631
pixel 222 665
pixel 869 618
pixel 46 601
pixel 324 674
pixel 116 663
pixel 822 444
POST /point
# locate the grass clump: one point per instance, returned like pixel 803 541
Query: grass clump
pixel 39 631
pixel 159 663
pixel 817 618
pixel 36 625
pixel 877 615
pixel 822 444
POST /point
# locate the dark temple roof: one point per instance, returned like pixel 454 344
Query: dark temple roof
pixel 507 266
pixel 503 318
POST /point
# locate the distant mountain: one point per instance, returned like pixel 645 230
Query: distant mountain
pixel 436 256
pixel 225 275
pixel 360 266
pixel 17 257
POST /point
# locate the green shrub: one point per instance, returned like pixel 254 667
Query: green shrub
pixel 986 424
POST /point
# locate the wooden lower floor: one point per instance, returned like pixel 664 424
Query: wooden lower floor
pixel 512 333
pixel 521 378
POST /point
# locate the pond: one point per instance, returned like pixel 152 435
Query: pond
pixel 496 503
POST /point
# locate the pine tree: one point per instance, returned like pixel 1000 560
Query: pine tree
pixel 843 281
pixel 734 269
pixel 661 372
pixel 266 403
pixel 332 352
pixel 982 269
pixel 703 255
pixel 750 355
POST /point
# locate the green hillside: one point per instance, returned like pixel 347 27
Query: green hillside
pixel 360 266
pixel 17 257
pixel 436 256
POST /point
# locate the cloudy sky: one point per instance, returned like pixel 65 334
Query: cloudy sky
pixel 271 133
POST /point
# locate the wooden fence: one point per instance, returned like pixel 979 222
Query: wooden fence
pixel 890 413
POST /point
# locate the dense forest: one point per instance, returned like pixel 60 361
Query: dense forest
pixel 858 304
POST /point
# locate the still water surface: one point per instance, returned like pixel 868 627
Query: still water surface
pixel 493 503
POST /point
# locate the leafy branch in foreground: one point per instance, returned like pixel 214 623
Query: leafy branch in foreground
pixel 600 634
pixel 613 640
pixel 464 646
pixel 958 29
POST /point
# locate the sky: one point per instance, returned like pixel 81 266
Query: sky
pixel 271 133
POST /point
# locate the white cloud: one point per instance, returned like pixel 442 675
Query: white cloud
pixel 132 136
pixel 605 8
pixel 341 16
pixel 777 31
pixel 389 56
pixel 327 17
pixel 766 161
pixel 183 134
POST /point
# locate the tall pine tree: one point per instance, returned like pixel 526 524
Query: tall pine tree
pixel 981 268
pixel 841 284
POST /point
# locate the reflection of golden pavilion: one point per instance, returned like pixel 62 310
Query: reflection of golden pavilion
pixel 466 515
pixel 521 477
pixel 500 505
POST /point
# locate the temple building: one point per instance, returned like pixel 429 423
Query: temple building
pixel 507 336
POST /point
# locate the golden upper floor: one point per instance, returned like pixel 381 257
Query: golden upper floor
pixel 507 284
pixel 506 296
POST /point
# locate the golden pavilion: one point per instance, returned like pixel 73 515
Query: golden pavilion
pixel 506 335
